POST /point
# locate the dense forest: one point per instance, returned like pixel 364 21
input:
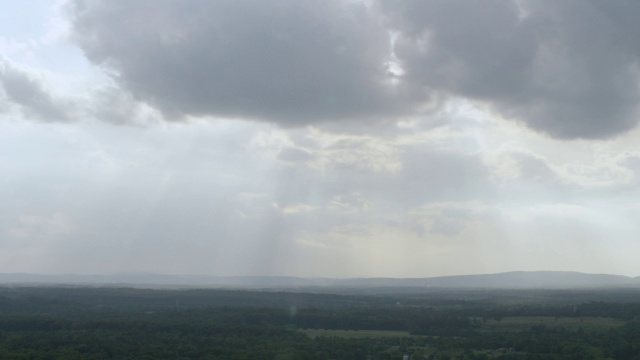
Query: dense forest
pixel 126 323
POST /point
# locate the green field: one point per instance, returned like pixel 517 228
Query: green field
pixel 353 334
pixel 522 323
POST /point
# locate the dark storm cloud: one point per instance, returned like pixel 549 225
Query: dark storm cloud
pixel 566 68
pixel 33 99
pixel 286 60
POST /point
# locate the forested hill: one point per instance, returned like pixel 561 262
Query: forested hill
pixel 517 279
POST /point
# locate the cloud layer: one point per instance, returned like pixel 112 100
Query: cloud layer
pixel 30 96
pixel 567 69
pixel 321 138
pixel 292 62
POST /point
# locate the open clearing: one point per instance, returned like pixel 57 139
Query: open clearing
pixel 313 333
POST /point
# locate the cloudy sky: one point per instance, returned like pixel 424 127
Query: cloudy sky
pixel 339 138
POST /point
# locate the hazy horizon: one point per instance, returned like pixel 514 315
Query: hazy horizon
pixel 359 138
pixel 310 277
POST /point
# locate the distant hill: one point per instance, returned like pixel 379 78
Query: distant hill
pixel 515 279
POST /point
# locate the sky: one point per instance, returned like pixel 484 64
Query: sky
pixel 337 138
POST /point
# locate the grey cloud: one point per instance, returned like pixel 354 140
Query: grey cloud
pixel 5 106
pixel 33 99
pixel 535 169
pixel 110 104
pixel 287 61
pixel 565 68
pixel 294 155
pixel 633 162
